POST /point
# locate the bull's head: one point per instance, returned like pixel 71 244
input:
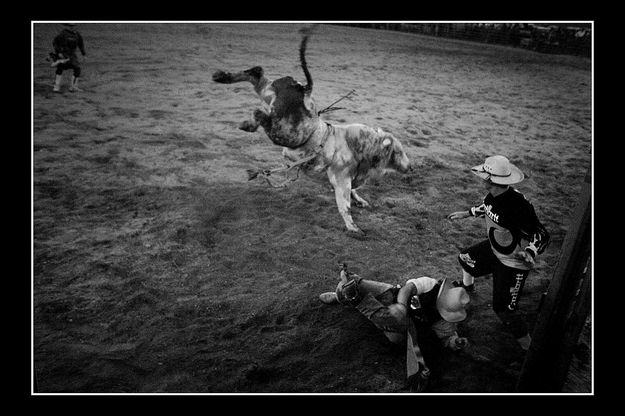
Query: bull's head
pixel 398 159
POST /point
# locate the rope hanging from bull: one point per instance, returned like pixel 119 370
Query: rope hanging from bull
pixel 265 173
pixel 331 106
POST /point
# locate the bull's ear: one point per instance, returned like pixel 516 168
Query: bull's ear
pixel 386 142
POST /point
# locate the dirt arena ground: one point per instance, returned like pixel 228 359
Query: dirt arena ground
pixel 159 268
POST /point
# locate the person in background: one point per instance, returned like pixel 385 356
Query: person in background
pixel 66 44
pixel 515 236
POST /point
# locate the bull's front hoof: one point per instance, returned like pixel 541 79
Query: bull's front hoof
pixel 248 126
pixel 222 77
pixel 358 234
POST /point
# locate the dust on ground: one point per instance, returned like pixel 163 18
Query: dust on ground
pixel 159 268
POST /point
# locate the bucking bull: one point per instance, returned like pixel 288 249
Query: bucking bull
pixel 349 154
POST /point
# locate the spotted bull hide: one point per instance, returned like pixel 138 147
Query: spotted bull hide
pixel 350 155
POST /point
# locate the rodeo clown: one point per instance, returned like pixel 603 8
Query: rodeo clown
pixel 64 56
pixel 401 312
pixel 515 237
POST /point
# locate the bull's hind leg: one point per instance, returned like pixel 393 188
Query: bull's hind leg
pixel 253 75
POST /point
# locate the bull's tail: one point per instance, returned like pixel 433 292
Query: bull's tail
pixel 302 57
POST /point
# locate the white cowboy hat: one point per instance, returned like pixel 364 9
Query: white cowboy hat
pixel 451 302
pixel 499 170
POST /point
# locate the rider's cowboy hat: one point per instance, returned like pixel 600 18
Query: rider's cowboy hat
pixel 451 302
pixel 499 170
